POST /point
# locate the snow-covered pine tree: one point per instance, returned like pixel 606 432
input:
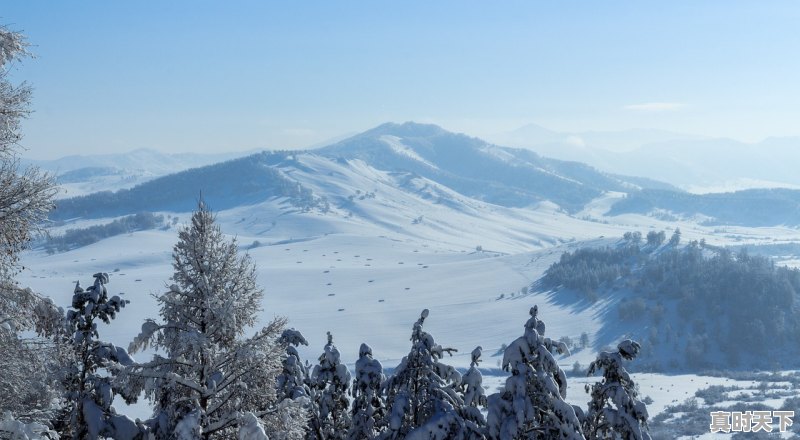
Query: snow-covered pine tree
pixel 615 410
pixel 422 397
pixel 210 375
pixel 472 388
pixel 368 407
pixel 292 382
pixel 88 379
pixel 330 380
pixel 532 406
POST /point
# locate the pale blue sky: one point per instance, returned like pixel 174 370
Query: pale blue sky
pixel 228 76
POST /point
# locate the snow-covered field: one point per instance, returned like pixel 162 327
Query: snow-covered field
pixel 365 270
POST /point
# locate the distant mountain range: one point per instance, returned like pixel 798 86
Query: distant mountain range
pixel 472 167
pixel 79 175
pixel 690 162
pixel 411 153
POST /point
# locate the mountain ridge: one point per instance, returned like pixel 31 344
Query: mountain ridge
pixel 469 166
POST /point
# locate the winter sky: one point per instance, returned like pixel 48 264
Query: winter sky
pixel 228 76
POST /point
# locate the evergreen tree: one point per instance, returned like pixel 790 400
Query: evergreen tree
pixel 472 388
pixel 210 375
pixel 293 379
pixel 654 239
pixel 88 379
pixel 532 406
pixel 675 239
pixel 330 380
pixel 615 410
pixel 368 408
pixel 422 397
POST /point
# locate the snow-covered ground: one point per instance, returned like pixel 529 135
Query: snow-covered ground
pixel 365 269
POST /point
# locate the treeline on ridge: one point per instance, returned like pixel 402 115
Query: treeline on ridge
pixel 78 237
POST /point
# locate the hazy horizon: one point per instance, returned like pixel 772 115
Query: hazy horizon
pixel 204 77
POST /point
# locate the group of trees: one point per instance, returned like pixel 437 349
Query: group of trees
pixel 208 381
pixel 729 299
pixel 78 237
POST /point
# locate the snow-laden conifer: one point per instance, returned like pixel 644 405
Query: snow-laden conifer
pixel 422 394
pixel 210 375
pixel 88 379
pixel 292 382
pixel 472 388
pixel 368 407
pixel 329 418
pixel 615 410
pixel 531 405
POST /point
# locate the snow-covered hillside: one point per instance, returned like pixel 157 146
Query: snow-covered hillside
pixel 347 246
pixel 80 175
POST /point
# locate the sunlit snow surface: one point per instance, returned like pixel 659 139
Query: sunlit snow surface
pixel 366 269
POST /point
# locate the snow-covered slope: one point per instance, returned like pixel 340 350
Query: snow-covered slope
pixel 354 241
pixel 79 175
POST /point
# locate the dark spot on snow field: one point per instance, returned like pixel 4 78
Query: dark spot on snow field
pixel 286 249
pixel 369 259
pixel 338 259
pixel 329 284
pixel 380 300
pixel 326 271
pixel 341 310
pixel 299 262
pixel 424 267
pixel 367 264
pixel 357 256
pixel 335 252
pixel 399 262
pixel 408 288
pixel 331 294
pixel 137 280
pixel 370 281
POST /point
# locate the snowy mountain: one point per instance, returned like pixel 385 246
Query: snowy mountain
pixel 752 207
pixel 84 174
pixel 448 166
pixel 473 167
pixel 429 164
pixel 357 238
pixel 697 164
pixel 399 216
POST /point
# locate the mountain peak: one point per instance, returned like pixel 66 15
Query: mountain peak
pixel 406 129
